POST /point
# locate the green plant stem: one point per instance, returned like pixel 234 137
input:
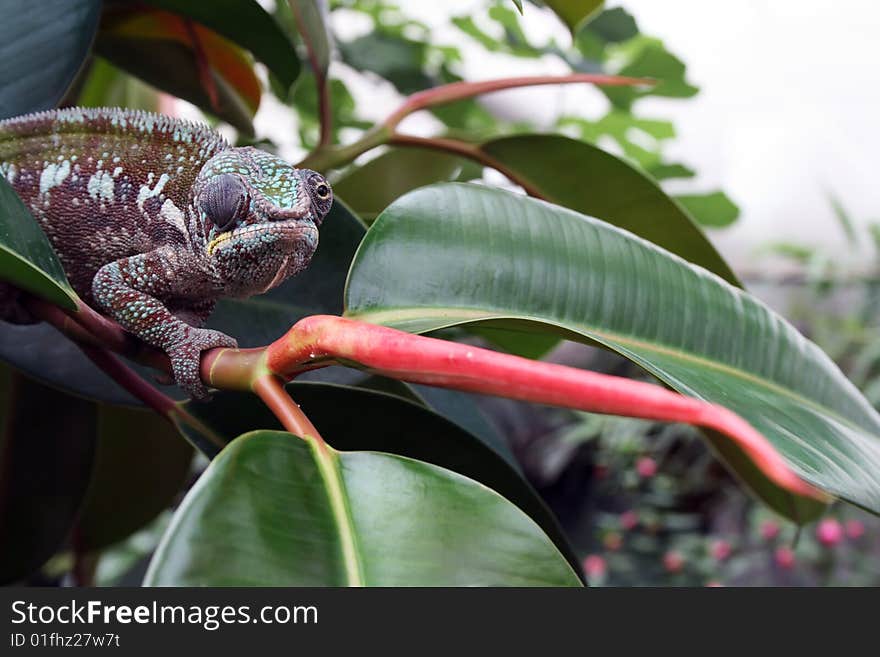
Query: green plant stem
pixel 325 158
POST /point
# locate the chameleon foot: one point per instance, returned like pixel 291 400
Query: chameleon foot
pixel 186 357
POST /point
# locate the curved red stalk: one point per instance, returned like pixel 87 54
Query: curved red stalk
pixel 449 93
pixel 419 359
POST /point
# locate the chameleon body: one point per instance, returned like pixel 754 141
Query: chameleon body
pixel 155 218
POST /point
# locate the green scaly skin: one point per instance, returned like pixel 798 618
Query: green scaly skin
pixel 154 219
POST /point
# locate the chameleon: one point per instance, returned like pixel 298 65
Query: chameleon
pixel 154 219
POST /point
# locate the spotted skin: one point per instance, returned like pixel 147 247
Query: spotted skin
pixel 155 218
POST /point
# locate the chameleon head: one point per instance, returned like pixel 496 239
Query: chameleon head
pixel 259 216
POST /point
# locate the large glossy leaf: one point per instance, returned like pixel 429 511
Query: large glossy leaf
pixel 141 465
pixel 46 451
pixel 42 46
pixel 26 257
pixel 585 178
pixel 453 254
pixel 379 421
pixel 287 512
pixel 247 24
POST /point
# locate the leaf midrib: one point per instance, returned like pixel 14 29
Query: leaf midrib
pixel 327 461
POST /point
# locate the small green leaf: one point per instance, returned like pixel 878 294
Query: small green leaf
pixel 714 210
pixel 42 46
pixel 519 5
pixel 247 24
pixel 288 512
pixel 27 260
pixel 575 13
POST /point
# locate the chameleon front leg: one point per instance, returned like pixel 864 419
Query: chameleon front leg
pixel 130 291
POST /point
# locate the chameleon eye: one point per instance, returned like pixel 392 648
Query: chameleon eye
pixel 225 200
pixel 322 191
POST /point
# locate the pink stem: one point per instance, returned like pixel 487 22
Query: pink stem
pixel 419 359
pixel 449 93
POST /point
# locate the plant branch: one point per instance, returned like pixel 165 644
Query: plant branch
pixel 449 93
pixel 331 157
pixel 130 380
pixel 468 150
pixel 322 340
pixel 325 108
pixel 85 326
pixel 270 389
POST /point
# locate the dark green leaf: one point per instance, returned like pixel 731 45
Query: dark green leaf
pixel 42 46
pixel 141 465
pixel 371 188
pixel 574 13
pixel 377 421
pixel 247 24
pixel 27 260
pixel 285 512
pixel 172 67
pixel 614 25
pixel 587 179
pixel 46 452
pixel 391 56
pixel 452 254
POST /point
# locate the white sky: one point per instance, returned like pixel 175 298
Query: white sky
pixel 788 107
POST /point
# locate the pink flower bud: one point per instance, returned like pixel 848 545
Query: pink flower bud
pixel 673 561
pixel 646 467
pixel 594 566
pixel 628 520
pixel 855 529
pixel 784 557
pixel 720 550
pixel 829 532
pixel 769 529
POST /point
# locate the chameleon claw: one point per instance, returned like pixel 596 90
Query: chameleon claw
pixel 186 359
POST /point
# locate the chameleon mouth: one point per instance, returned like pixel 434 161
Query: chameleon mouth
pixel 295 226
